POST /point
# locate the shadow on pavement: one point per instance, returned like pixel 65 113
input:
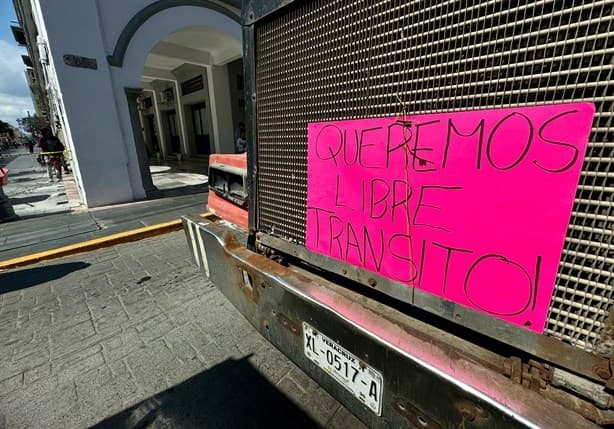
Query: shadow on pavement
pixel 25 278
pixel 23 179
pixel 28 200
pixel 13 174
pixel 177 191
pixel 37 215
pixel 232 394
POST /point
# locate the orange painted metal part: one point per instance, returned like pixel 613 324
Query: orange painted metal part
pixel 227 210
pixel 220 206
pixel 231 160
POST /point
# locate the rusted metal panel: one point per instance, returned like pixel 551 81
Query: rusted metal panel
pixel 547 348
pixel 430 376
pixel 580 406
pixel 606 343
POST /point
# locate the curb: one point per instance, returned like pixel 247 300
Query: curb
pixel 97 243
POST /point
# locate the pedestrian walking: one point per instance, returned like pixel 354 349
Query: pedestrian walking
pixel 30 144
pixel 50 143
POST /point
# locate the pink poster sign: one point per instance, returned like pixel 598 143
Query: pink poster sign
pixel 470 206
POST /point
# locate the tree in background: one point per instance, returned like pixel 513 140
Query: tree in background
pixel 32 124
pixel 6 130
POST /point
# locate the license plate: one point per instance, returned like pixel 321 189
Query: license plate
pixel 363 381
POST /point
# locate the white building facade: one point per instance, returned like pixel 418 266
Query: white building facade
pixel 133 81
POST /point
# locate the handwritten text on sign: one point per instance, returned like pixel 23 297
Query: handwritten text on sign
pixel 470 206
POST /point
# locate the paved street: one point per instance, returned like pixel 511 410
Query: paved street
pixel 133 336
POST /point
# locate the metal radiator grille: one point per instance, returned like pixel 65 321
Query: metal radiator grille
pixel 343 59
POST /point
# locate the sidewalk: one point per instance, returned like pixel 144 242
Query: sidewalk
pixel 51 215
pixel 133 336
pixel 29 189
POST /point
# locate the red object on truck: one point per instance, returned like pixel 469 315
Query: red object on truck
pixel 4 176
pixel 227 189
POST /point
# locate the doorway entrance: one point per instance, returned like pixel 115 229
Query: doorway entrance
pixel 202 133
pixel 173 133
pixel 151 128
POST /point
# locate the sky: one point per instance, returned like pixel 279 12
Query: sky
pixel 15 100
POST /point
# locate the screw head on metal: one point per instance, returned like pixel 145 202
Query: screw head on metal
pixel 602 371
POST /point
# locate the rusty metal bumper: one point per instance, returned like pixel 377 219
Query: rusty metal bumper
pixel 432 379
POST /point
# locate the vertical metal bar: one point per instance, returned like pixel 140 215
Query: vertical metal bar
pixel 249 76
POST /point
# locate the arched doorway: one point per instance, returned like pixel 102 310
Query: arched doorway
pixel 177 75
pixel 190 104
pixel 192 82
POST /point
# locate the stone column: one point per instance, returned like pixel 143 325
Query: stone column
pixel 221 112
pixel 132 95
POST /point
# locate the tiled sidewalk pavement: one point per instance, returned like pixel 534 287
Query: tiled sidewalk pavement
pixel 29 190
pixel 133 336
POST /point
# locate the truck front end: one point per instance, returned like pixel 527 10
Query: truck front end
pixel 429 191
